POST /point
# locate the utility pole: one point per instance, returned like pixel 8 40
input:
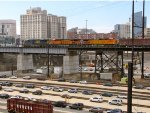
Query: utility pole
pixel 130 77
pixel 63 56
pixel 86 29
pixel 132 31
pixel 143 25
pixel 130 68
pixel 48 62
pixel 12 70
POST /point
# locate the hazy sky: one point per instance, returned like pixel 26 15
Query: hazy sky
pixel 101 15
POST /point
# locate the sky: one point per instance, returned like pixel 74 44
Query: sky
pixel 101 15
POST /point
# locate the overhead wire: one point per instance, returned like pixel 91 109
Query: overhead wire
pixel 94 8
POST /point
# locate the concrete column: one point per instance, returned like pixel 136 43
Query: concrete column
pixel 70 64
pixel 24 62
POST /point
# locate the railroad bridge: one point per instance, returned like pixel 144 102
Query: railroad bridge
pixel 72 55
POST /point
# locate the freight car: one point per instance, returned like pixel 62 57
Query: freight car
pixel 136 42
pixel 16 105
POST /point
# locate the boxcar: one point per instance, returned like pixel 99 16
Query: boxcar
pixel 137 42
pixel 15 105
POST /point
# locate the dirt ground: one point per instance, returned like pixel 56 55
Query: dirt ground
pixel 144 82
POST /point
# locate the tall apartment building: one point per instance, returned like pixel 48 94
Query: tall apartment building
pixel 36 24
pixel 147 33
pixel 56 27
pixel 8 28
pixel 138 18
pixel 122 30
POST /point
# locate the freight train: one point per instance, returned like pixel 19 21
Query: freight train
pixel 16 105
pixel 116 42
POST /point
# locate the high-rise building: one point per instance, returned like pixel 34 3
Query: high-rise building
pixel 138 18
pixel 122 30
pixel 8 28
pixel 147 33
pixel 56 27
pixel 34 24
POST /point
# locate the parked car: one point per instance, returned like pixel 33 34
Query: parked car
pixel 107 94
pixel 148 88
pixel 1 83
pixel 13 77
pixel 73 90
pixel 73 81
pixel 115 111
pixel 6 83
pixel 78 106
pixel 27 77
pixel 96 110
pixel 8 89
pixel 61 80
pixel 60 104
pixel 37 92
pixel 58 89
pixel 96 99
pixel 4 95
pixel 146 75
pixel 138 86
pixel 108 84
pixel 46 88
pixel 24 91
pixel 83 82
pixel 41 78
pixel 30 85
pixel 87 92
pixel 29 98
pixel 3 76
pixel 115 101
pixel 19 85
pixel 0 87
pixel 66 96
pixel 17 96
pixel 122 96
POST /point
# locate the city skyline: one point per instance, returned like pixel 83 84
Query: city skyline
pixel 97 13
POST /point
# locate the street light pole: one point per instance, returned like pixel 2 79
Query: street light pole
pixel 142 71
pixel 12 70
pixel 48 62
pixel 130 68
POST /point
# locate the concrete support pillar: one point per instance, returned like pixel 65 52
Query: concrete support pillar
pixel 24 62
pixel 70 64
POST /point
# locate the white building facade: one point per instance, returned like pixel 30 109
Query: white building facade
pixel 147 33
pixel 36 24
pixel 8 28
pixel 122 30
pixel 56 27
